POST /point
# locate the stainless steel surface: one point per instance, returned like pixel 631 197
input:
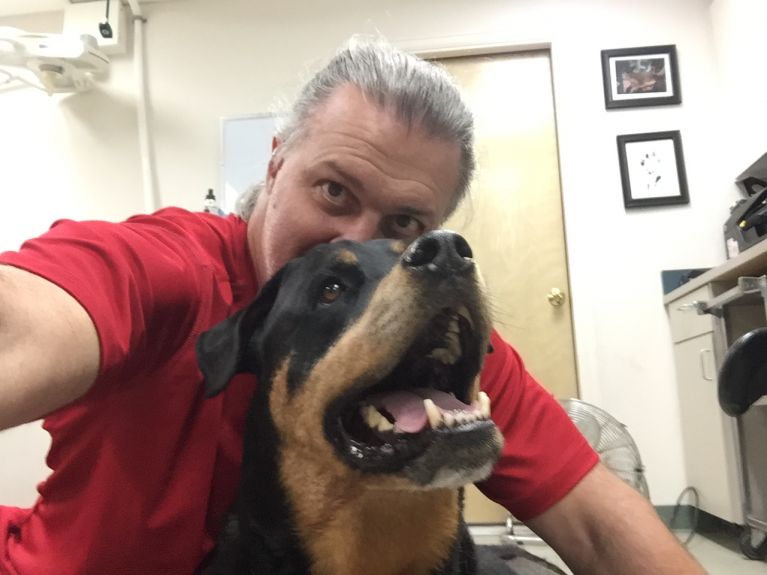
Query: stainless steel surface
pixel 745 286
pixel 751 426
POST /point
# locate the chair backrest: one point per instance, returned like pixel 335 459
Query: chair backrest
pixel 743 375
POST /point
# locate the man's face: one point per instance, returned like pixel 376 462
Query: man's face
pixel 357 173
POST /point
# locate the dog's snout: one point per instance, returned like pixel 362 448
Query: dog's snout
pixel 440 252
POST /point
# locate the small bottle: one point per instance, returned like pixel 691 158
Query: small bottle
pixel 210 204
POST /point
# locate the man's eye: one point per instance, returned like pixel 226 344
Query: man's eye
pixel 405 222
pixel 334 192
pixel 331 291
pixel 404 226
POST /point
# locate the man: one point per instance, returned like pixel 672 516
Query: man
pixel 98 323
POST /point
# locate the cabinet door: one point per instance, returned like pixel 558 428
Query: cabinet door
pixel 709 435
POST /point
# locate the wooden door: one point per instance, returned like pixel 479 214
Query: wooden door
pixel 513 219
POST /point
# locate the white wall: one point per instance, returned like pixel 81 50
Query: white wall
pixel 209 58
pixel 738 31
pixel 60 157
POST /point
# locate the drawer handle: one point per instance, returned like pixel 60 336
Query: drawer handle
pixel 689 306
pixel 703 371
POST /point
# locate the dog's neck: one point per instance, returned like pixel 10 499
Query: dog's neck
pixel 349 530
pixel 318 514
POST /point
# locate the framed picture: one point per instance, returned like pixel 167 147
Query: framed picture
pixel 646 76
pixel 652 169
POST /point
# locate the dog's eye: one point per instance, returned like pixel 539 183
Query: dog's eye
pixel 331 291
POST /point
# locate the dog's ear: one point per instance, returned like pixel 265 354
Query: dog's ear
pixel 221 349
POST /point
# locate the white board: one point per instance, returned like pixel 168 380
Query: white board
pixel 246 146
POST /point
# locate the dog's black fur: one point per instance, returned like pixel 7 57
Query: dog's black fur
pixel 320 492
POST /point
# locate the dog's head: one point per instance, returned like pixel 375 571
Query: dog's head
pixel 368 355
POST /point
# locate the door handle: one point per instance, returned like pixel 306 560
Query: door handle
pixel 556 297
pixel 703 371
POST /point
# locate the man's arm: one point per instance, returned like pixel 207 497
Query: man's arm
pixel 49 351
pixel 604 526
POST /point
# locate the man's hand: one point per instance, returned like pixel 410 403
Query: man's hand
pixel 603 526
pixel 49 350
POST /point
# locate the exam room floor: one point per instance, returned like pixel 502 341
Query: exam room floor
pixel 718 557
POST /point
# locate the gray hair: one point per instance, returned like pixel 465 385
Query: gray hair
pixel 420 93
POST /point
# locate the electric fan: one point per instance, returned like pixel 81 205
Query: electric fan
pixel 611 440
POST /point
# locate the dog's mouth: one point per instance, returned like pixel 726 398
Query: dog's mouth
pixel 424 398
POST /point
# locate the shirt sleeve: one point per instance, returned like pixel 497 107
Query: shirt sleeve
pixel 137 280
pixel 544 455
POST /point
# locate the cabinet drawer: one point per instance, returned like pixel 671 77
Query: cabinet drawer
pixel 685 320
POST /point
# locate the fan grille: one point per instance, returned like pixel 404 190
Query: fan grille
pixel 611 440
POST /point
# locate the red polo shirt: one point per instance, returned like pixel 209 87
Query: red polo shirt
pixel 143 467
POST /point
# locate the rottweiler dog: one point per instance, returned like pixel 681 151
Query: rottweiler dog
pixel 367 420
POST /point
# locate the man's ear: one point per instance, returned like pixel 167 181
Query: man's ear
pixel 275 162
pixel 222 351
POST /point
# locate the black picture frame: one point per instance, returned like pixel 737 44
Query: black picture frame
pixel 646 76
pixel 652 169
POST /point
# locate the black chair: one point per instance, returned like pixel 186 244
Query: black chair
pixel 743 381
pixel 743 375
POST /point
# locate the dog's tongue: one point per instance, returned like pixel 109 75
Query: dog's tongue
pixel 407 406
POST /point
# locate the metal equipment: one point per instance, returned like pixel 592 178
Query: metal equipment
pixel 57 62
pixel 742 389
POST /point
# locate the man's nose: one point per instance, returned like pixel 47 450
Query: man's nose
pixel 361 228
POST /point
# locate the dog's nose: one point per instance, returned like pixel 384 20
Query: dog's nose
pixel 440 251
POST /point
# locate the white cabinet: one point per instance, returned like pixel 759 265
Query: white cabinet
pixel 724 456
pixel 709 436
pixel 710 440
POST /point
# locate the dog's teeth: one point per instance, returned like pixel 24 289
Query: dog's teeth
pixel 385 425
pixel 433 413
pixel 449 419
pixel 484 405
pixel 446 356
pixel 440 354
pixel 465 314
pixel 453 345
pixel 372 416
pixel 375 419
pixel 450 354
pixel 366 411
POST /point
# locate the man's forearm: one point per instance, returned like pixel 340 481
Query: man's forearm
pixel 605 527
pixel 639 544
pixel 49 350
